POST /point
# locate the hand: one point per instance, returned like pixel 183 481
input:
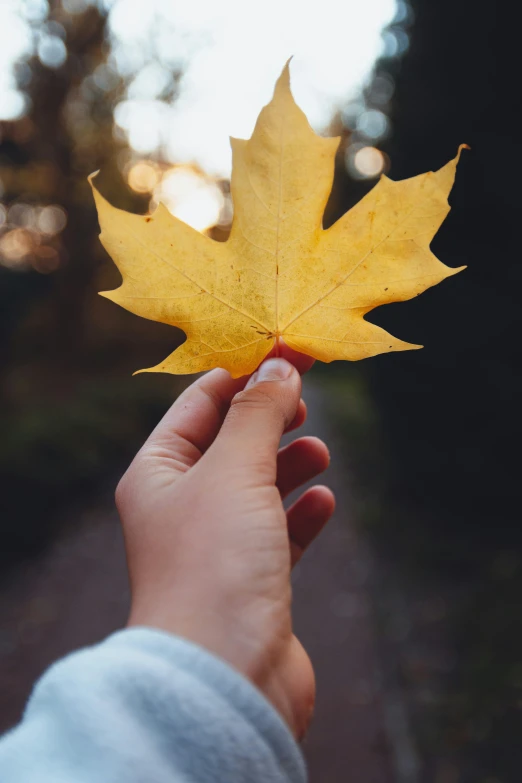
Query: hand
pixel 209 545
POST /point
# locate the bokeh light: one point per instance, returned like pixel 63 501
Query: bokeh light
pixel 52 219
pixel 382 89
pixel 52 51
pixel 27 233
pixel 15 247
pixel 372 124
pixel 143 177
pixel 45 259
pixel 366 163
pixel 190 196
pixel 21 215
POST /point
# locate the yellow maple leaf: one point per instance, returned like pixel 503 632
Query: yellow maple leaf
pixel 280 275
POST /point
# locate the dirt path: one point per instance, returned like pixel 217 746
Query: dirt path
pixel 78 593
pixel 347 742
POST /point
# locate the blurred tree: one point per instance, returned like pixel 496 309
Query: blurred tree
pixel 451 412
pixel 452 409
pixel 62 346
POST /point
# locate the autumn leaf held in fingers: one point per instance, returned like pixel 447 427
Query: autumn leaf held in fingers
pixel 280 275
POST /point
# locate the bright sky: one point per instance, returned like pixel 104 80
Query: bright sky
pixel 230 53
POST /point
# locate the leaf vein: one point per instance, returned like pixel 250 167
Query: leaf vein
pixel 187 277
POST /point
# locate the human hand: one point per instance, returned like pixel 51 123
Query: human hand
pixel 209 545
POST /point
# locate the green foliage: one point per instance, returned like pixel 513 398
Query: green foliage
pixel 54 452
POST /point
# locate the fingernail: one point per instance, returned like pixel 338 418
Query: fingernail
pixel 271 370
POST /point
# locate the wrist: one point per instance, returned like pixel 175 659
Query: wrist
pixel 270 667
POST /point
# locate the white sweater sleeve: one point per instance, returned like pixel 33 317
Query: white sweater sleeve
pixel 147 707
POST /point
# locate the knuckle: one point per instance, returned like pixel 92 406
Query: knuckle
pixel 256 403
pixel 253 398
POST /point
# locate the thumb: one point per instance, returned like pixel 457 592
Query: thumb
pixel 250 435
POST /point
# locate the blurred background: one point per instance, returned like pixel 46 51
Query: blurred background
pixel 410 602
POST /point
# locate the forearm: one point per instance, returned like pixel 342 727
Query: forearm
pixel 147 706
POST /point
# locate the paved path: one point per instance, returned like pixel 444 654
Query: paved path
pixel 77 593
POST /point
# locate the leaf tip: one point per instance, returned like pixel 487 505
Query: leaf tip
pixel 108 295
pixel 163 367
pixel 399 345
pixel 282 86
pixel 459 151
pixel 92 176
pixel 455 270
pixel 286 67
